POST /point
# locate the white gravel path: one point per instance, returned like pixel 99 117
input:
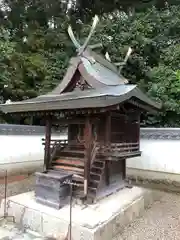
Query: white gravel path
pixel 160 222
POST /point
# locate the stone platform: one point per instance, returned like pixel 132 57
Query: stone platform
pixel 10 231
pixel 100 221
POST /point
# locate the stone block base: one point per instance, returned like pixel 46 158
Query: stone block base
pixel 100 221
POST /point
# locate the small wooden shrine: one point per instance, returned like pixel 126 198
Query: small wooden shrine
pixel 102 113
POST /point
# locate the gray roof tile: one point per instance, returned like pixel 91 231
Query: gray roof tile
pixel 108 88
pixel 93 98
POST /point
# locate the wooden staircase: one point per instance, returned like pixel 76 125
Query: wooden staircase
pixel 96 172
pixel 71 159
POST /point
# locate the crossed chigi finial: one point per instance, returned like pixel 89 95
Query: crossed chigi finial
pixel 120 64
pixel 80 48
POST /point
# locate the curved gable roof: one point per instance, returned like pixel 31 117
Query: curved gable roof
pixel 94 98
pixel 108 88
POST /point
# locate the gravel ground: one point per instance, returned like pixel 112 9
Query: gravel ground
pixel 18 187
pixel 160 222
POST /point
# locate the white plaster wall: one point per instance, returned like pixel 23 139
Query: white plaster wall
pixel 158 155
pixel 21 154
pixel 20 148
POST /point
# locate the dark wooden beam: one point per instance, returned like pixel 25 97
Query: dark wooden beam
pixel 124 168
pixel 138 130
pixel 87 144
pixel 73 121
pixel 118 114
pixel 143 107
pixel 108 142
pixel 47 153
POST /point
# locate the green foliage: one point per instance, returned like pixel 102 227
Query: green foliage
pixel 154 65
pixel 33 66
pixel 35 48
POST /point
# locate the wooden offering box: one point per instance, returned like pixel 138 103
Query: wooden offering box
pixel 52 188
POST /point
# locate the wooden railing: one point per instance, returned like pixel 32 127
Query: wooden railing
pixel 55 141
pixel 129 147
pixel 94 152
pixel 119 149
pixel 62 143
pixel 113 149
pixel 55 145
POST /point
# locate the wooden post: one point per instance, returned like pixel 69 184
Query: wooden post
pixel 108 142
pixel 87 144
pixel 124 169
pixel 69 132
pixel 138 130
pixel 47 153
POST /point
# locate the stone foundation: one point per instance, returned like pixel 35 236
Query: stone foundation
pixel 100 221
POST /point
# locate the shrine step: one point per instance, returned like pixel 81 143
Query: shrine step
pixel 94 183
pixel 75 147
pixel 96 170
pixel 80 190
pixel 75 177
pixel 98 164
pixel 80 194
pixel 91 188
pixel 69 161
pixel 75 165
pixel 72 153
pixel 72 169
pixel 95 176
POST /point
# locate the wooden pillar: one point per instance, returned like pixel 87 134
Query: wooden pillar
pixel 108 142
pixel 124 169
pixel 70 132
pixel 87 144
pixel 47 153
pixel 138 129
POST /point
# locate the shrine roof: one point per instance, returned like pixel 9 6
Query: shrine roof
pixel 99 81
pixel 96 70
pixel 93 98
